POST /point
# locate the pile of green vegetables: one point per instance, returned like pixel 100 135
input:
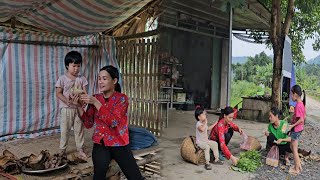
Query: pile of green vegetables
pixel 249 161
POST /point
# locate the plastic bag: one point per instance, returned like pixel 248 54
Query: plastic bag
pixel 273 156
pixel 249 143
pixel 244 142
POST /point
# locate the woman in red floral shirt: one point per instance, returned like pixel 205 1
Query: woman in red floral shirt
pixel 222 132
pixel 107 113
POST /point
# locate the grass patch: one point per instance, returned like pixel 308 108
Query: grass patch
pixel 241 89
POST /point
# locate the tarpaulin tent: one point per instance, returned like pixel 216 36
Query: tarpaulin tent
pixel 70 17
pixel 29 72
pixel 31 61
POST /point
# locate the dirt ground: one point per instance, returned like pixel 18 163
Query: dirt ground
pixel 313 109
pixel 310 140
pixel 181 125
pixel 25 147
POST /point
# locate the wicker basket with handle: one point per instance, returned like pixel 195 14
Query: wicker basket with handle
pixel 191 152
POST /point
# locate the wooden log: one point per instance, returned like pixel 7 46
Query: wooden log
pixel 144 152
pixel 148 159
pixel 153 171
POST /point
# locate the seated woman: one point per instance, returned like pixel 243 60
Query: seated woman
pixel 222 132
pixel 277 134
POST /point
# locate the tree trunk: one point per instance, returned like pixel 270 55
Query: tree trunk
pixel 275 36
pixel 276 77
pixel 278 32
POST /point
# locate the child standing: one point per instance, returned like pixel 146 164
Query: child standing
pixel 66 87
pixel 297 125
pixel 202 138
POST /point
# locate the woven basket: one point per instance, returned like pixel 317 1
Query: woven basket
pixel 190 152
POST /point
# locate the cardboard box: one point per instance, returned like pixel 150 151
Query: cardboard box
pixel 181 97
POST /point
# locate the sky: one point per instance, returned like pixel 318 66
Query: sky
pixel 241 48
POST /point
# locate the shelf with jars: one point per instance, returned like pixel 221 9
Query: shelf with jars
pixel 171 82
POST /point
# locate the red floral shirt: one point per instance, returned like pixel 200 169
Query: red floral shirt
pixel 110 122
pixel 217 134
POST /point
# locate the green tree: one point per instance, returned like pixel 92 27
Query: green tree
pixel 264 75
pixel 312 69
pixel 253 63
pixel 300 20
pixel 306 81
pixel 238 71
pixel 301 25
pixel 262 59
pixel 248 70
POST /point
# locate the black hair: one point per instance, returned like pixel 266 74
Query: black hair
pixel 297 89
pixel 114 73
pixel 72 57
pixel 275 111
pixel 198 112
pixel 226 111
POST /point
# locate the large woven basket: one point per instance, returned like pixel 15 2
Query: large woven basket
pixel 190 152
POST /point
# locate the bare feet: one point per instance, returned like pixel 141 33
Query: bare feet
pixel 82 155
pixel 300 167
pixel 293 171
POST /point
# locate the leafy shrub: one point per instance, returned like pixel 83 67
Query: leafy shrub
pixel 243 89
pixel 249 161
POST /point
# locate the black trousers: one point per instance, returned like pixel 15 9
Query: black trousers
pixel 283 148
pixel 102 155
pixel 227 137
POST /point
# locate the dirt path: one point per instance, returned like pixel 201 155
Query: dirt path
pixel 182 125
pixel 313 109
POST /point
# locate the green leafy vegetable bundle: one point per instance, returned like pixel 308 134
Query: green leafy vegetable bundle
pixel 249 161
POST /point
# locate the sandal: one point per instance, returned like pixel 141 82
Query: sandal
pixel 207 167
pixel 218 162
pixel 221 156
